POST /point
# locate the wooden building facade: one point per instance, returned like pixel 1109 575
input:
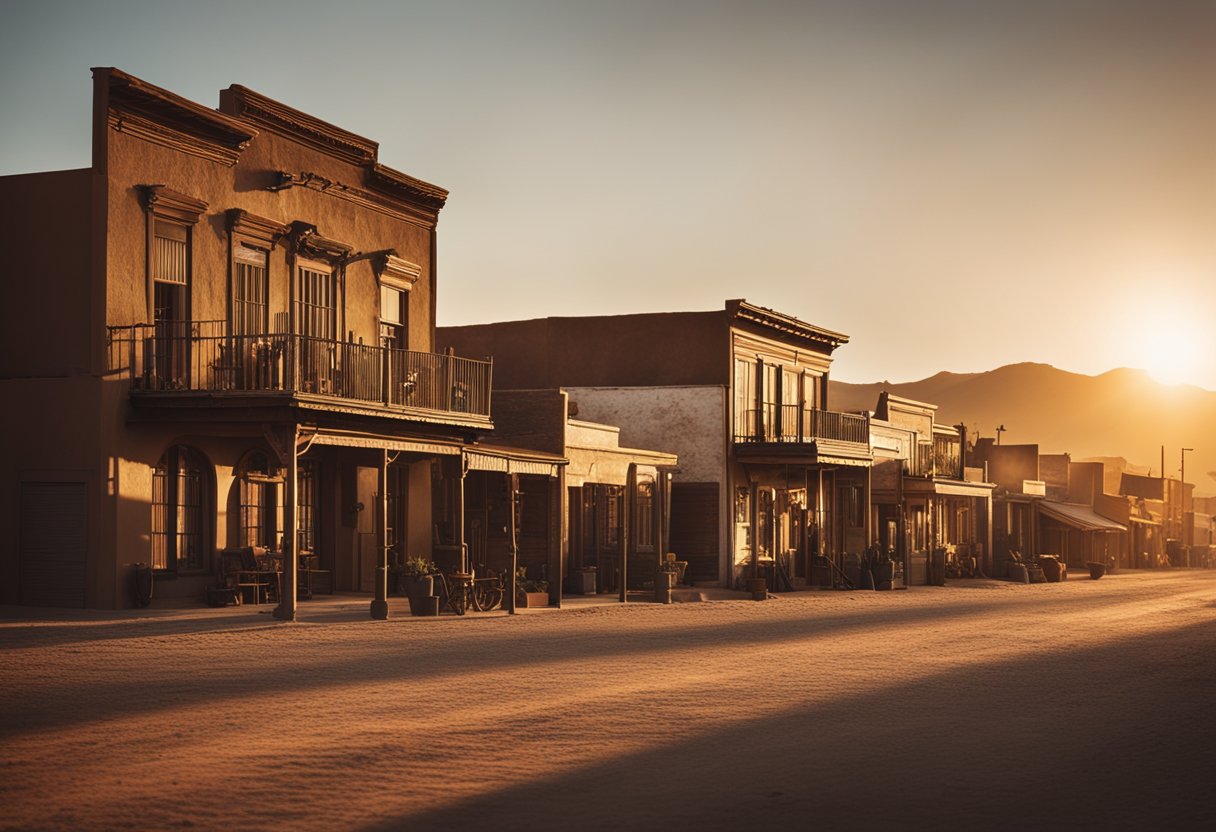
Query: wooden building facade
pixel 770 480
pixel 221 334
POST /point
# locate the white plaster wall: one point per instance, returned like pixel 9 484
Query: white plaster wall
pixel 592 435
pixel 687 421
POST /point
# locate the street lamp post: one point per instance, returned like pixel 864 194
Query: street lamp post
pixel 1182 476
pixel 1182 501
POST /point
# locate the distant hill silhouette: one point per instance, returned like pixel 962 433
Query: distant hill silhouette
pixel 1121 413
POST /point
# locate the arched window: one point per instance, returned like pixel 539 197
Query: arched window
pixel 181 507
pixel 262 495
pixel 261 504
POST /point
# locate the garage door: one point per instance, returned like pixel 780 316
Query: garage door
pixel 53 543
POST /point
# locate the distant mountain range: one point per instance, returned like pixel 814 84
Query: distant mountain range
pixel 1122 413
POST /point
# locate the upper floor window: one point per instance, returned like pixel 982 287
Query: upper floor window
pixel 251 239
pixel 810 391
pixel 250 291
pixel 397 277
pixel 170 218
pixel 745 398
pixel 317 301
pixel 392 317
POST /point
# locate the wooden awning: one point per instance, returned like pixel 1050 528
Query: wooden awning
pixel 1079 516
pixel 512 461
pixel 388 443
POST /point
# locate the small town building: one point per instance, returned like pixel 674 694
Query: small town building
pixel 610 518
pixel 1014 469
pixel 221 335
pixel 770 481
pixel 924 498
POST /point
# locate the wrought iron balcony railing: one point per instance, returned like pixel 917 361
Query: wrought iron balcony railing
pixel 199 357
pixel 791 423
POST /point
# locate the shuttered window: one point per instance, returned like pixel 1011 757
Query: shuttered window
pixel 170 259
pixel 318 303
pixel 250 291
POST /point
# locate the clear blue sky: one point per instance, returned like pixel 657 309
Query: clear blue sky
pixel 957 185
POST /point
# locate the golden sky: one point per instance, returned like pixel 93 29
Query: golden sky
pixel 957 185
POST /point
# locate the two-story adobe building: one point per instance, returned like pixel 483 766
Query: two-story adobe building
pixel 769 481
pixel 221 334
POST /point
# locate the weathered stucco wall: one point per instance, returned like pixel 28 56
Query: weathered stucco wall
pixel 45 234
pixel 533 419
pixel 45 425
pixel 134 162
pixel 686 421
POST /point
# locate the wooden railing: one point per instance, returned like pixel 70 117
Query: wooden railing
pixel 194 357
pixel 791 423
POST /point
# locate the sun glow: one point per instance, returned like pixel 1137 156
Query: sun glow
pixel 1173 355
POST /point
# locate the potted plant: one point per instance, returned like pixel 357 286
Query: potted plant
pixel 418 572
pixel 529 592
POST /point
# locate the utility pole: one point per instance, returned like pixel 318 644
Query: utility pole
pixel 1182 499
pixel 999 431
pixel 1183 477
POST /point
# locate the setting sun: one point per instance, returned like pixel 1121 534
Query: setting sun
pixel 1173 356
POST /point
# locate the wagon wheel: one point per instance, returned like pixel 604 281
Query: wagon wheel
pixel 486 597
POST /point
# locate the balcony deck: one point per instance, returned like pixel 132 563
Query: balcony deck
pixel 179 361
pixel 789 431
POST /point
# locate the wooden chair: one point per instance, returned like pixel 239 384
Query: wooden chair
pixel 240 570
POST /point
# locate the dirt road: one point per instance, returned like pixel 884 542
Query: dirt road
pixel 1082 705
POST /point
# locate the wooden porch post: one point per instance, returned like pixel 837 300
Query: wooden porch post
pixel 754 519
pixel 379 608
pixel 513 488
pixel 989 561
pixel 631 485
pixel 458 520
pixel 557 536
pixel 286 610
pixel 869 506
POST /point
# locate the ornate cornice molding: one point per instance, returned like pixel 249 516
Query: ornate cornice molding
pixel 244 103
pixel 408 188
pixel 386 204
pixel 166 202
pixel 308 242
pixel 768 319
pixel 395 270
pixel 158 116
pixel 256 228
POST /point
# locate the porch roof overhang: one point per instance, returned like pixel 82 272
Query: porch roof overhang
pixel 816 452
pixel 610 466
pixel 1080 517
pixel 350 439
pixel 947 488
pixel 505 460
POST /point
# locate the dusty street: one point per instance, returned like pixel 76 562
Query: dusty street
pixel 1087 704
